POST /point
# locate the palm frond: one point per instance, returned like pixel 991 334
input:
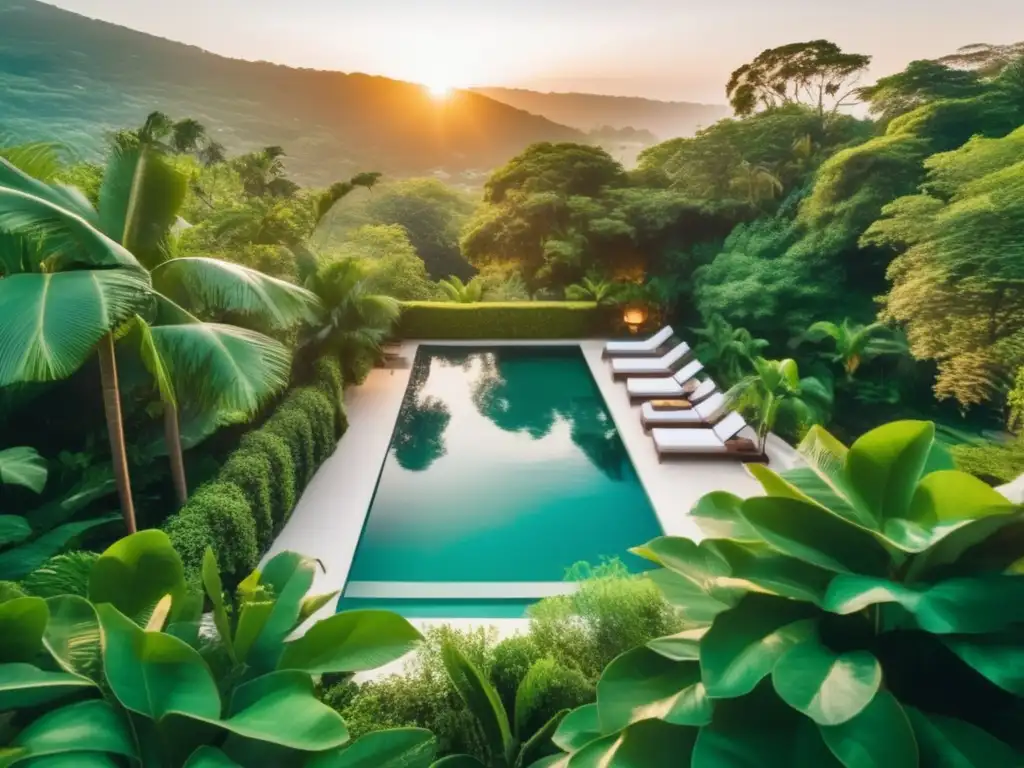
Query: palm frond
pixel 219 286
pixel 52 321
pixel 66 238
pixel 140 198
pixel 23 466
pixel 42 160
pixel 222 366
pixel 67 198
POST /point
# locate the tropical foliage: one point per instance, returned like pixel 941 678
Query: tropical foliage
pixel 842 619
pixel 127 673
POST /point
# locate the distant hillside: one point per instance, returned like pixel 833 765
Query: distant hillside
pixel 586 111
pixel 70 78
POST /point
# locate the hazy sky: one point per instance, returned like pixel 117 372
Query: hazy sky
pixel 669 49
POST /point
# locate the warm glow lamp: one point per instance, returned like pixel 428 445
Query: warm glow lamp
pixel 635 316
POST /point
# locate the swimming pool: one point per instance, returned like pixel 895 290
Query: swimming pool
pixel 505 469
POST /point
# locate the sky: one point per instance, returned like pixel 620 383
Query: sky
pixel 665 49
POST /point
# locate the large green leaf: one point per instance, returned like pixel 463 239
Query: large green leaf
pixel 73 760
pixel 759 731
pixel 717 514
pixel 73 637
pixel 813 534
pixel 481 698
pixel 222 366
pixel 700 564
pixel 281 708
pixel 538 745
pixel 53 321
pixel 880 736
pixel 991 543
pixel 682 646
pixel 647 744
pixel 70 240
pixel 134 573
pixel 89 726
pixel 745 642
pixel 395 748
pixel 641 684
pixel 22 622
pixel 153 673
pixel 210 757
pixel 760 568
pixel 970 605
pixel 828 687
pixel 578 728
pixel 219 286
pixel 23 466
pixel 22 560
pixel 22 685
pixel 28 168
pixel 946 741
pixel 289 575
pixel 825 480
pixel 351 641
pixel 458 761
pixel 953 496
pixel 885 465
pixel 139 200
pixel 13 529
pixel 998 657
pixel 693 604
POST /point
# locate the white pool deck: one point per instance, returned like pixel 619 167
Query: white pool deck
pixel 328 519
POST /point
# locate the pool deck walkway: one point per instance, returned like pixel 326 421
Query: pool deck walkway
pixel 328 519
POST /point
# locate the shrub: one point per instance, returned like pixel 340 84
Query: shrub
pixel 251 471
pixel 993 462
pixel 295 427
pixel 316 405
pixel 546 690
pixel 494 320
pixel 511 660
pixel 611 612
pixel 282 471
pixel 217 514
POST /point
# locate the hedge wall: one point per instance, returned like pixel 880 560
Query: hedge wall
pixel 247 503
pixel 500 320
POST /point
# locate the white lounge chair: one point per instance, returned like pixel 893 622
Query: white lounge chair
pixel 703 442
pixel 700 415
pixel 650 366
pixel 669 386
pixel 645 347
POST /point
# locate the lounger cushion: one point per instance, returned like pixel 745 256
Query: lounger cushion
pixel 654 387
pixel 651 365
pixel 687 441
pixel 642 346
pixel 668 418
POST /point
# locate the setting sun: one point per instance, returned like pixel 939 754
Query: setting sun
pixel 438 89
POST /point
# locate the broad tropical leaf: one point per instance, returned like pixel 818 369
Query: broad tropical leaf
pixel 23 685
pixel 952 742
pixel 717 514
pixel 999 657
pixel 829 688
pixel 22 623
pixel 221 287
pixel 135 573
pixel 880 736
pixel 31 180
pixel 393 748
pixel 72 636
pixel 22 466
pixel 641 684
pixel 13 529
pixel 141 195
pixel 290 576
pixel 647 744
pixel 53 321
pixel 578 728
pixel 885 465
pixel 41 160
pixel 88 726
pixel 745 642
pixel 682 646
pixel 351 641
pixel 222 366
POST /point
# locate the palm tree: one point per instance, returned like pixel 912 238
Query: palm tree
pixel 756 182
pixel 187 136
pixel 263 173
pixel 855 344
pixel 356 320
pixel 729 349
pixel 92 272
pixel 340 189
pixel 212 153
pixel 593 289
pixel 462 293
pixel 775 386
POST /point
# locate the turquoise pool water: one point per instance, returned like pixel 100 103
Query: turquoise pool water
pixel 505 468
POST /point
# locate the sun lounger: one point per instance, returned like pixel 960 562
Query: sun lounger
pixel 669 386
pixel 700 415
pixel 650 366
pixel 707 442
pixel 646 347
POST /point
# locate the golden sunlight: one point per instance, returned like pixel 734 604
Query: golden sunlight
pixel 438 89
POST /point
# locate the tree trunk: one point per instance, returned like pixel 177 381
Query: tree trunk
pixel 115 429
pixel 173 440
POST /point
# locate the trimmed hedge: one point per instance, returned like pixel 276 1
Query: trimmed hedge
pixel 501 320
pixel 247 503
